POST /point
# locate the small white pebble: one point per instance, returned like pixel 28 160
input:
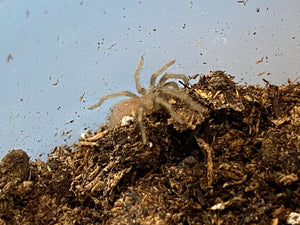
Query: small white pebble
pixel 126 120
pixel 293 218
pixel 219 206
pixel 83 136
pixel 150 144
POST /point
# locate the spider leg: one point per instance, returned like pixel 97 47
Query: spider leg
pixel 171 84
pixel 119 94
pixel 137 77
pixel 169 107
pixel 167 76
pixel 159 72
pixel 141 124
pixel 186 99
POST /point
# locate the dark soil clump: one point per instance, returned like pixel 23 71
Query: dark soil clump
pixel 238 162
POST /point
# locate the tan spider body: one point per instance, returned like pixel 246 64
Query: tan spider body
pixel 155 97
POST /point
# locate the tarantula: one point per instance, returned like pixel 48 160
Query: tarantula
pixel 155 97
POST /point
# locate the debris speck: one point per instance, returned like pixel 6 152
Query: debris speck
pixel 260 60
pixel 55 83
pixel 261 73
pixel 9 57
pixel 81 97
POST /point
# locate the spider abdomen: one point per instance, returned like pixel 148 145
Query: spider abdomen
pixel 127 107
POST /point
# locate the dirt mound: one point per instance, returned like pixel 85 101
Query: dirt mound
pixel 237 163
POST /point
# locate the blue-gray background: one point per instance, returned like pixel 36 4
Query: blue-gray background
pixel 59 57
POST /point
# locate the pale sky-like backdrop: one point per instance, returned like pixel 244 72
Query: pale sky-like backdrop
pixel 59 57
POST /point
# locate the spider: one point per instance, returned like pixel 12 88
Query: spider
pixel 156 96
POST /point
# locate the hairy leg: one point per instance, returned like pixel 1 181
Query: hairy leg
pixel 186 99
pixel 137 77
pixel 171 84
pixel 169 107
pixel 167 76
pixel 141 124
pixel 119 94
pixel 159 72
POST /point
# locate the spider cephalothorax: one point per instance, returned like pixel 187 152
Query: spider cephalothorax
pixel 156 96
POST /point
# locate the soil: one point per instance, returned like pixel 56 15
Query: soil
pixel 237 162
